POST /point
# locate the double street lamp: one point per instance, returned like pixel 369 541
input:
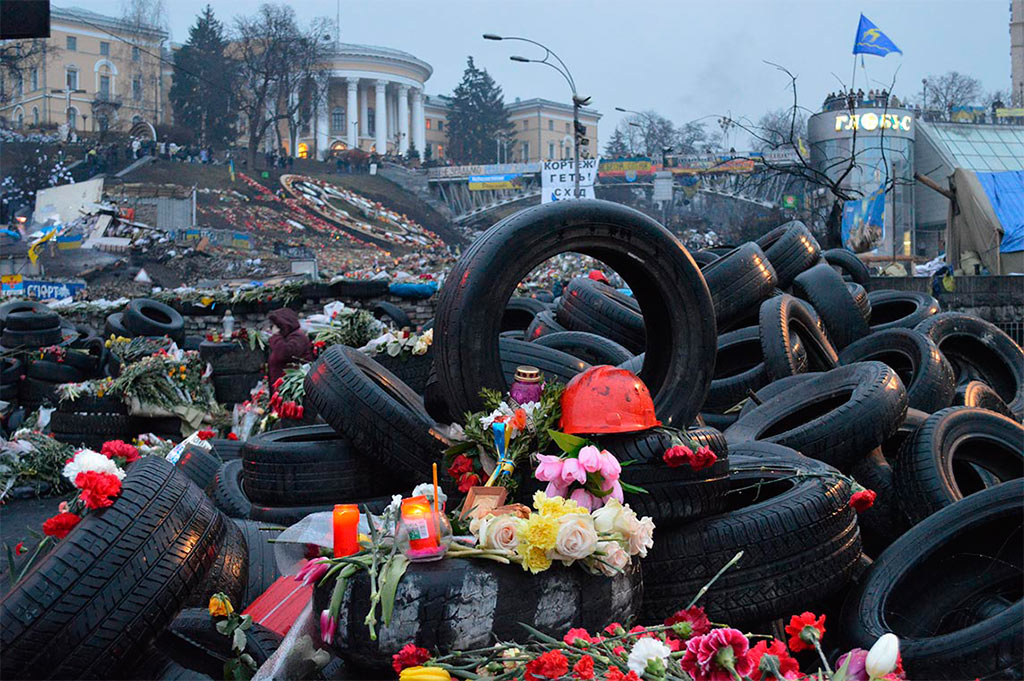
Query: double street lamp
pixel 577 101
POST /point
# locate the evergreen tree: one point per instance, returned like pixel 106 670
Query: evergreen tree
pixel 616 146
pixel 478 117
pixel 204 78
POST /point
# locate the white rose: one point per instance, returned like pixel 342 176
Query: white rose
pixel 499 532
pixel 641 536
pixel 613 559
pixel 88 460
pixel 613 517
pixel 576 539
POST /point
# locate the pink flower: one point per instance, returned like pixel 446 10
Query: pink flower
pixel 586 500
pixel 550 468
pixel 710 657
pixel 616 490
pixel 328 625
pixel 590 459
pixel 610 466
pixel 312 571
pixel 556 489
pixel 572 470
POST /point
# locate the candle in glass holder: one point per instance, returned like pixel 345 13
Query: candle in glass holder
pixel 418 517
pixel 346 530
pixel 527 385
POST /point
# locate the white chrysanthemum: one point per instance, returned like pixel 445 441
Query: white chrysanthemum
pixel 88 460
pixel 487 421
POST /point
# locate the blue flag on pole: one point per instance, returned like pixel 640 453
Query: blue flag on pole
pixel 870 40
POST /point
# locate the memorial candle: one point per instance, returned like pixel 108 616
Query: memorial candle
pixel 346 530
pixel 418 517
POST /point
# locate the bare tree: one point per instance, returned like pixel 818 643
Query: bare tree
pixel 302 81
pixel 17 60
pixel 952 89
pixel 142 79
pixel 779 126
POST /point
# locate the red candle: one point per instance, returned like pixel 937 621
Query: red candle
pixel 346 530
pixel 419 520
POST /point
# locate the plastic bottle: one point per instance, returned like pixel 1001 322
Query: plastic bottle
pixel 229 324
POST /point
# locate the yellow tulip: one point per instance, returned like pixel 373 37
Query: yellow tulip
pixel 424 674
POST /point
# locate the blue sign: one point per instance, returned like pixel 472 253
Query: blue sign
pixel 864 222
pixel 53 290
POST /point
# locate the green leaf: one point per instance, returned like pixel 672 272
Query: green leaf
pixel 459 448
pixel 238 641
pixel 570 444
pixel 10 563
pixel 246 622
pixel 626 487
pixel 841 673
pixel 389 585
pixel 222 627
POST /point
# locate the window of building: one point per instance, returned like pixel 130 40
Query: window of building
pixel 72 43
pixel 551 150
pixel 34 79
pixel 105 86
pixel 104 48
pixel 21 120
pixel 551 124
pixel 526 124
pixel 428 124
pixel 71 79
pixel 136 54
pixel 20 87
pixel 568 128
pixel 338 119
pixel 371 121
pixel 35 115
pixel 526 151
pixel 440 126
pixel 137 88
pixel 440 151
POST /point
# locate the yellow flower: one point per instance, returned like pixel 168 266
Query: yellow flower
pixel 535 559
pixel 220 605
pixel 555 507
pixel 424 674
pixel 540 531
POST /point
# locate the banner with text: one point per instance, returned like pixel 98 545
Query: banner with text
pixel 558 179
pixel 501 181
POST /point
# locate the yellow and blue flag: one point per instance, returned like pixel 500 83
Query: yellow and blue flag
pixel 870 40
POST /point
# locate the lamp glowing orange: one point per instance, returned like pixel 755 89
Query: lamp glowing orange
pixel 418 517
pixel 346 530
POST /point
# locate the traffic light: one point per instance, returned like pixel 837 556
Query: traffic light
pixel 581 130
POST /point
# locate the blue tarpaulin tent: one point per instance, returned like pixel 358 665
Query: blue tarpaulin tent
pixel 1005 191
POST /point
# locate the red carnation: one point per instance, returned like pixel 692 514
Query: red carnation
pixel 206 434
pixel 584 668
pixel 19 548
pixel 783 665
pixel 615 674
pixel 676 456
pixel 468 480
pixel 804 629
pixel 460 464
pixel 615 629
pixel 707 659
pixel 59 525
pixel 573 635
pixel 689 622
pixel 703 458
pixel 232 436
pixel 863 500
pixel 409 656
pixel 120 449
pixel 97 489
pixel 550 665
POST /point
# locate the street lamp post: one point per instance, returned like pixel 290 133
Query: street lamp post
pixel 577 101
pixel 650 121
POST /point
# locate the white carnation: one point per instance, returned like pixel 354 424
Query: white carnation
pixel 644 650
pixel 88 460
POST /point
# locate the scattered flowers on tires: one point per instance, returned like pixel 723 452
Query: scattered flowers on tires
pixel 805 631
pixel 97 490
pixel 220 605
pixel 863 500
pixel 409 656
pixel 550 665
pixel 719 655
pixel 773 661
pixel 59 525
pixel 119 449
pixel 689 622
pixel 583 669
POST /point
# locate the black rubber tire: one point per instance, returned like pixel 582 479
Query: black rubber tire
pixel 413 370
pixel 232 357
pixel 931 471
pixel 459 604
pixel 924 371
pixel 838 418
pixel 198 465
pixel 807 543
pixel 712 438
pixel 826 291
pixel 543 323
pixel 156 666
pixel 11 371
pixel 674 494
pixel 227 492
pixel 234 388
pixel 791 249
pixel 981 348
pixel 849 265
pixel 667 284
pixel 588 305
pixel 739 281
pixel 289 515
pixel 91 404
pixel 703 258
pixel 32 391
pixel 907 309
pixel 399 319
pixel 145 317
pixel 112 426
pixel 229 573
pixel 379 414
pixel 192 640
pixel 861 300
pixel 309 466
pixel 134 564
pixel 776 387
pixel 114 326
pixel 13 339
pixel 739 367
pixel 914 419
pixel 262 565
pixel 634 364
pixel 555 365
pixel 20 306
pixel 588 347
pixel 520 312
pixel 780 318
pixel 359 288
pixel 53 372
pixel 980 395
pixel 87 356
pixel 919 587
pixel 37 320
pixel 226 449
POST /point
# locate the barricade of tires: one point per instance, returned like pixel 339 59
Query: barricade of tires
pixel 236 367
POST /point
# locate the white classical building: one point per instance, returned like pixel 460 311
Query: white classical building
pixel 375 102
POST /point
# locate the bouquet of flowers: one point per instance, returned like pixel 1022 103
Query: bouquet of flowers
pixel 97 387
pixel 167 380
pixel 32 455
pixel 591 474
pixel 403 345
pixel 289 394
pixel 349 326
pixel 254 338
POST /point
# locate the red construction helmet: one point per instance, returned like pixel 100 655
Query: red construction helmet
pixel 606 399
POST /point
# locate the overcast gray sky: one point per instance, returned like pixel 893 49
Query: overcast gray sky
pixel 683 58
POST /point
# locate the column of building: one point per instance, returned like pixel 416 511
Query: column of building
pixel 381 118
pixel 352 117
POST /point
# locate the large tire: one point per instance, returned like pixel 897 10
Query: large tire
pixel 109 426
pixel 13 339
pixel 588 305
pixel 378 413
pixel 947 567
pixel 234 388
pixel 588 347
pixel 396 314
pixel 776 387
pixel 667 284
pixel 460 604
pixel 227 492
pixel 826 291
pixel 229 573
pixel 906 309
pixel 781 318
pixel 791 249
pixel 738 282
pixel 924 371
pixel 807 543
pixel 980 395
pixel 192 640
pixel 198 465
pixel 145 317
pixel 262 565
pixel 413 370
pixel 739 367
pixel 543 323
pixel 37 320
pixel 884 522
pixel 232 357
pixel 107 589
pixel 53 372
pixel 861 300
pixel 555 365
pixel 520 313
pixel 673 495
pixel 114 326
pixel 849 265
pixel 308 466
pixel 979 348
pixel 8 309
pixel 838 417
pixel 359 288
pixel 289 515
pixel 34 392
pixel 933 468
